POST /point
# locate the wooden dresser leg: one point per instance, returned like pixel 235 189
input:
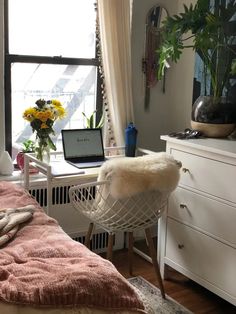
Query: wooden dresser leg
pixel 88 235
pixel 110 246
pixel 130 252
pixel 153 254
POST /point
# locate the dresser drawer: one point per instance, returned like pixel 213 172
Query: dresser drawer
pixel 209 215
pixel 207 175
pixel 201 255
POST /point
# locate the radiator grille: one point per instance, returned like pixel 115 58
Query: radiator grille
pixel 60 195
pixel 98 242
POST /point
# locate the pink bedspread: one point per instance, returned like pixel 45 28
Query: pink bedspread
pixel 42 266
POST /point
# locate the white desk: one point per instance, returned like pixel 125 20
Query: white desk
pixel 52 194
pixel 90 174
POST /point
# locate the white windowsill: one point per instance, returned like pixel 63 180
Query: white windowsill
pixel 18 176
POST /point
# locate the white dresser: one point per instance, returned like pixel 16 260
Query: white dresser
pixel 197 234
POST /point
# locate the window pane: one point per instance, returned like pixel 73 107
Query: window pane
pixel 52 28
pixel 73 85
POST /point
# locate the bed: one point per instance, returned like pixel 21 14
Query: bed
pixel 42 270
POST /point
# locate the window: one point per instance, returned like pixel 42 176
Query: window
pixel 50 53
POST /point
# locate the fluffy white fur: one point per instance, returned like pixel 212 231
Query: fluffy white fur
pixel 131 175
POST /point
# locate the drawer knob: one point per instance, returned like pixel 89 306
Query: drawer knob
pixel 182 206
pixel 180 246
pixel 185 170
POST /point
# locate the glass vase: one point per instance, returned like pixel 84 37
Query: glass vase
pixel 42 150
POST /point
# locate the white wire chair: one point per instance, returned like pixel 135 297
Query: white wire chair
pixel 140 211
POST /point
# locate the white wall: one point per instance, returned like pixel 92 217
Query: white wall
pixel 170 111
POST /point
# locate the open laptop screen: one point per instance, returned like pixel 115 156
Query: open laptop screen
pixel 82 145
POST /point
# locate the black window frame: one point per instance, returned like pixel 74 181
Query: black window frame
pixel 13 58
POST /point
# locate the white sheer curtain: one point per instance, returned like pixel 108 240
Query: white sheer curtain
pixel 115 36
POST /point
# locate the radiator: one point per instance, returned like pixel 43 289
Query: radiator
pixel 71 221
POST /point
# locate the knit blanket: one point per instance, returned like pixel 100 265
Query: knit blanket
pixel 43 267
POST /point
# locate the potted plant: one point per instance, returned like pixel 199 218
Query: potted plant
pixel 91 121
pixel 28 147
pixel 209 29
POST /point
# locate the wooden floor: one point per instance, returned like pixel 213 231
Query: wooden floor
pixel 183 290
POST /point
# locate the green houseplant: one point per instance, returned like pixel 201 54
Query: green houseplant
pixel 210 31
pixel 91 121
pixel 28 146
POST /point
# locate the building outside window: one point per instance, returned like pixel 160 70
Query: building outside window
pixel 50 53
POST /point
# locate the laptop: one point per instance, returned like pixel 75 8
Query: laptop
pixel 83 148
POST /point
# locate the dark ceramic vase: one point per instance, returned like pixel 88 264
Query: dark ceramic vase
pixel 213 118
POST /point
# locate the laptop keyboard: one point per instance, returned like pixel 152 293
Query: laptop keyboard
pixel 87 164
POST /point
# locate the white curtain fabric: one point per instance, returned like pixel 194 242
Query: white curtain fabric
pixel 115 36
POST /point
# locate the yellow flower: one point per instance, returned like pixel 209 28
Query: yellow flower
pixel 56 103
pixel 44 126
pixel 29 114
pixel 49 114
pixel 61 112
pixel 42 118
pixel 44 115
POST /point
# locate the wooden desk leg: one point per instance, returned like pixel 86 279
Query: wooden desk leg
pixel 130 252
pixel 153 254
pixel 88 235
pixel 110 246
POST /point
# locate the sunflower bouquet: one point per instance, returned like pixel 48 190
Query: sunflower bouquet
pixel 41 118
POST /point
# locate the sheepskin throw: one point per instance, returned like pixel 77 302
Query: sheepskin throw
pixel 132 175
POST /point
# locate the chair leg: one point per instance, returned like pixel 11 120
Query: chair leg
pixel 153 254
pixel 88 235
pixel 130 252
pixel 110 246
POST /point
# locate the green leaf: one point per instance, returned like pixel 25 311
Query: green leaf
pixel 28 146
pixel 51 144
pixel 101 122
pixel 91 121
pixel 233 67
pixel 87 120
